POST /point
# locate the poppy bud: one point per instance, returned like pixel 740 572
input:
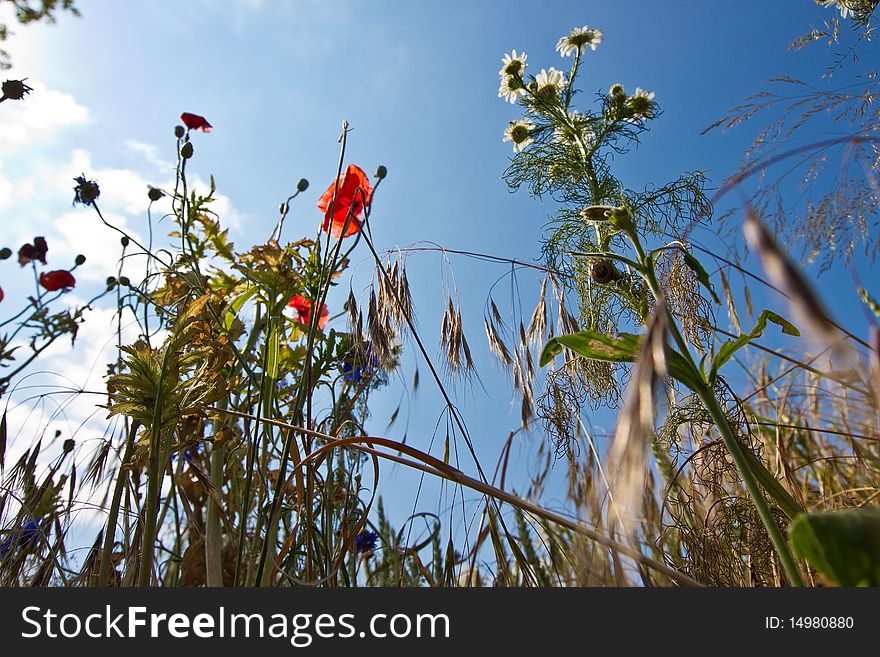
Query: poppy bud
pixel 80 260
pixel 282 209
pixel 381 172
pixel 302 185
pixel 111 282
pixel 123 280
pixel 155 194
pixel 69 444
pixel 124 240
pixel 5 252
pixel 603 272
pixel 178 131
pixel 187 151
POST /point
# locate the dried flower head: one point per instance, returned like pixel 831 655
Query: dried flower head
pixel 86 191
pixel 15 89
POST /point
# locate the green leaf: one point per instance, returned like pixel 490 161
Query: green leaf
pixel 273 345
pixel 842 545
pixel 3 441
pixel 236 306
pixel 783 499
pixel 730 347
pixel 591 344
pixel 702 274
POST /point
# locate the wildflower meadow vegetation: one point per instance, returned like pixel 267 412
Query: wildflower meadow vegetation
pixel 238 448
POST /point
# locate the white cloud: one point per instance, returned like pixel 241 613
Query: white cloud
pixel 41 113
pixel 151 155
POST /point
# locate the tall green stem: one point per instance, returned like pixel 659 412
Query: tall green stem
pixel 110 531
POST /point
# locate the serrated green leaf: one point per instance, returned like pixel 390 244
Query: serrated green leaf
pixel 842 545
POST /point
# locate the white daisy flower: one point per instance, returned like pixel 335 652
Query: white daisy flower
pixel 511 89
pixel 512 71
pixel 841 5
pixel 578 40
pixel 549 84
pixel 513 64
pixel 641 102
pixel 520 133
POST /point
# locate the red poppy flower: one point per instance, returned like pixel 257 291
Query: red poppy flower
pixel 57 280
pixel 195 122
pixel 30 252
pixel 303 308
pixel 1 294
pixel 353 193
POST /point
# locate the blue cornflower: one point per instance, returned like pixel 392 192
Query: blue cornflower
pixel 365 541
pixel 358 363
pixel 27 535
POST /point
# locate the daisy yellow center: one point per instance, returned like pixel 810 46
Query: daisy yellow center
pixel 519 133
pixel 547 91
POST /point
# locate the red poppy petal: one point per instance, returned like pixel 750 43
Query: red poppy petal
pixel 325 315
pixel 195 122
pixel 57 280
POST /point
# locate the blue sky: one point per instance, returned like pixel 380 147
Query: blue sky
pixel 417 82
